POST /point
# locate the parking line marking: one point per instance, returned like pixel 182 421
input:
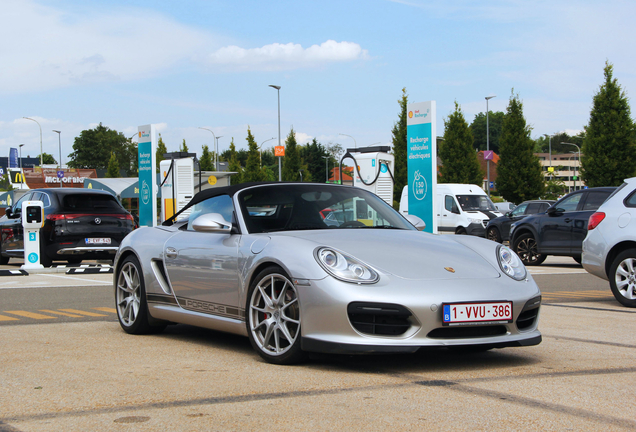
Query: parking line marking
pixel 30 315
pixel 83 312
pixel 61 313
pixel 106 309
pixel 6 318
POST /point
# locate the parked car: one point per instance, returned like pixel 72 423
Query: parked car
pixel 609 249
pixel 79 224
pixel 498 229
pixel 293 284
pixel 558 231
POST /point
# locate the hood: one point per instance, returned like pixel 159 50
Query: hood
pixel 411 255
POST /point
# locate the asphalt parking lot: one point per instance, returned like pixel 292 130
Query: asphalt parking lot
pixel 78 374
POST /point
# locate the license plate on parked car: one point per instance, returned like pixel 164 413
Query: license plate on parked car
pixel 476 313
pixel 97 241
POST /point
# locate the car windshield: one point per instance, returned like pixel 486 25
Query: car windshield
pixel 272 208
pixel 475 203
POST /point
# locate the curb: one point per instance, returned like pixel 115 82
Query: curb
pixel 62 268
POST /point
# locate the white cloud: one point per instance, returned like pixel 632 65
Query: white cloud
pixel 302 138
pixel 50 48
pixel 278 56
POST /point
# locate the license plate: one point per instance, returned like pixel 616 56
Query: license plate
pixel 97 241
pixel 476 313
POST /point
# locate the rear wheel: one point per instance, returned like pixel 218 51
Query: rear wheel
pixel 493 234
pixel 273 317
pixel 577 258
pixel 4 260
pixel 74 260
pixel 130 299
pixel 526 247
pixel 623 278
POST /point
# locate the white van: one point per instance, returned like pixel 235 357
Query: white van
pixel 461 208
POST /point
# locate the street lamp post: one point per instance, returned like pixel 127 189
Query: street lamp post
pixel 261 151
pixel 579 171
pixel 215 150
pixel 488 144
pixel 300 171
pixel 280 169
pixel 549 151
pixel 326 158
pixel 216 153
pixel 21 173
pixel 355 144
pixel 41 154
pixel 59 138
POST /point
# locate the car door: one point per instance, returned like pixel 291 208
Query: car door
pixel 450 214
pixel 516 214
pixel 203 266
pixel 555 231
pixel 592 201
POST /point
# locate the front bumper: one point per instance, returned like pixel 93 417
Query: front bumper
pixel 327 325
pixel 476 229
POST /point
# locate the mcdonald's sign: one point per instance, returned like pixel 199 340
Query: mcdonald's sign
pixel 17 177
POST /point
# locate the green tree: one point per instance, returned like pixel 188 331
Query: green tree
pixel 609 148
pixel 161 150
pixel 184 147
pixel 47 159
pixel 313 155
pixel 459 158
pixel 291 161
pixel 519 173
pixel 253 171
pixel 554 189
pixel 92 149
pixel 400 173
pixel 543 143
pixel 478 128
pixel 113 167
pixel 234 165
pixel 205 162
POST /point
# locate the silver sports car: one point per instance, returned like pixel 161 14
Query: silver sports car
pixel 260 261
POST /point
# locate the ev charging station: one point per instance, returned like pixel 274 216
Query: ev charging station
pixel 32 221
pixel 373 170
pixel 177 185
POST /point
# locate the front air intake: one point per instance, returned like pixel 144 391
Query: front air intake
pixel 381 319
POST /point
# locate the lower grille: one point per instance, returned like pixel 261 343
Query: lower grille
pixel 529 314
pixel 383 319
pixel 467 332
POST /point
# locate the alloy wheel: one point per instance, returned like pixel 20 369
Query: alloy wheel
pixel 128 294
pixel 625 278
pixel 274 315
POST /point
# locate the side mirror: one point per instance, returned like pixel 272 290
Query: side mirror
pixel 8 212
pixel 211 222
pixel 416 222
pixel 509 214
pixel 553 211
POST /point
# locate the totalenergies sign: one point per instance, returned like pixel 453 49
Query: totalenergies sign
pixel 279 151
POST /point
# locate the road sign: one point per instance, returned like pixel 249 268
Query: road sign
pixel 60 174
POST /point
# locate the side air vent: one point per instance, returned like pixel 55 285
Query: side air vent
pixel 160 275
pixel 382 319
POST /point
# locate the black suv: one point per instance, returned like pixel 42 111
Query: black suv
pixel 558 231
pixel 498 229
pixel 79 224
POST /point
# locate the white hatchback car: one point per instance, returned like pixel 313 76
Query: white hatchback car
pixel 609 249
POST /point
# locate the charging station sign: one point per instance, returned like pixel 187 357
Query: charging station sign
pixel 421 151
pixel 147 146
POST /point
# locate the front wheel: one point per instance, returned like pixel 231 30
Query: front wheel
pixel 493 234
pixel 273 317
pixel 130 299
pixel 623 278
pixel 526 247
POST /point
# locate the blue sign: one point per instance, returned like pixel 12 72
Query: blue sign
pixel 13 158
pixel 33 257
pixel 32 236
pixel 492 185
pixel 421 150
pixel 60 174
pixel 146 156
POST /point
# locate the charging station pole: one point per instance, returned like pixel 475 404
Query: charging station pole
pixel 32 221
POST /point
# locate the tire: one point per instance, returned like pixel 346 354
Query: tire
pixel 4 260
pixel 493 234
pixel 622 278
pixel 74 260
pixel 45 260
pixel 130 299
pixel 526 247
pixel 577 258
pixel 461 231
pixel 273 317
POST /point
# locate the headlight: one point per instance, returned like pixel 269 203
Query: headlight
pixel 510 263
pixel 345 267
pixel 472 220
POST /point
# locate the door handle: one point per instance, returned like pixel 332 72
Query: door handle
pixel 567 220
pixel 171 252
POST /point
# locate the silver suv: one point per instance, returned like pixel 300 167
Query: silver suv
pixel 609 249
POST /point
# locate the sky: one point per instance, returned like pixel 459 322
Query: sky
pixel 341 65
